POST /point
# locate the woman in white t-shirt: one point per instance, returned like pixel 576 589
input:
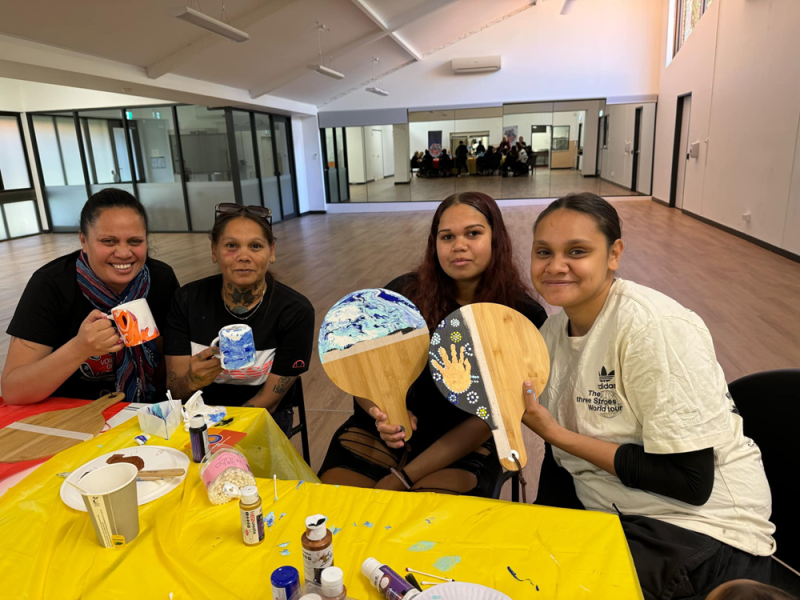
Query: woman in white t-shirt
pixel 637 411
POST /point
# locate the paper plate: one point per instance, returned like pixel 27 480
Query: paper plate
pixel 461 591
pixel 154 457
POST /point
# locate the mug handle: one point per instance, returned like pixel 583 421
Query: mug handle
pixel 215 342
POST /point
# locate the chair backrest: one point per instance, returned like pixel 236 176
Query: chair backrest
pixel 769 403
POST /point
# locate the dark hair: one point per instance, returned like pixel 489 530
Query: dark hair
pixel 604 215
pixel 109 198
pixel 751 590
pixel 224 218
pixel 434 292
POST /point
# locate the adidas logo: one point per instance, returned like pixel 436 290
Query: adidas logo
pixel 606 376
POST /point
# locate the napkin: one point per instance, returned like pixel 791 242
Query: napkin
pixel 195 406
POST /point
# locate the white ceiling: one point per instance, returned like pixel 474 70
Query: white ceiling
pixel 283 37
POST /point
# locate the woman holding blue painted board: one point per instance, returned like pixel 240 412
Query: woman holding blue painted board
pixel 637 414
pixel 468 259
pixel 245 293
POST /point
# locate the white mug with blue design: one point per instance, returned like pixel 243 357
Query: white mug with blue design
pixel 236 347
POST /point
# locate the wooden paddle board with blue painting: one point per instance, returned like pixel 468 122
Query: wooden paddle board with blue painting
pixel 479 357
pixel 373 343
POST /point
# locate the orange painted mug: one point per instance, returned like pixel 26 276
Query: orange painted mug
pixel 135 322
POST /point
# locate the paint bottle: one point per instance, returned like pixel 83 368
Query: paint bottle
pixel 198 434
pixel 317 548
pixel 251 515
pixel 391 585
pixel 333 584
pixel 285 583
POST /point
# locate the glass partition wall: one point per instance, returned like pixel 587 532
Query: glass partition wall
pixel 514 151
pixel 179 160
pixel 19 213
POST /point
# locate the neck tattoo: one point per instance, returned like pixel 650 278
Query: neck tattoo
pixel 242 301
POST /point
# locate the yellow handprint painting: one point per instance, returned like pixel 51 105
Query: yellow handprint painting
pixel 455 371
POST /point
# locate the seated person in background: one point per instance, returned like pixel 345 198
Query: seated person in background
pixel 483 161
pixel 637 411
pixel 480 149
pixel 426 164
pixel 461 158
pixel 503 147
pixel 282 320
pixel 415 161
pixel 511 161
pixel 62 344
pixel 522 161
pixel 445 163
pixel 495 161
pixel 469 258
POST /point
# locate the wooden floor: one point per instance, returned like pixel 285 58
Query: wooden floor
pixel 747 296
pixel 546 183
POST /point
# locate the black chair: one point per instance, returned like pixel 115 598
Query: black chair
pixel 501 481
pixel 769 403
pixel 299 402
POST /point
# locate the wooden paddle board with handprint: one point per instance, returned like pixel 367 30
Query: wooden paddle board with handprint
pixel 373 343
pixel 480 355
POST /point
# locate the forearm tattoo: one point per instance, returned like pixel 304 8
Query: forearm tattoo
pixel 282 385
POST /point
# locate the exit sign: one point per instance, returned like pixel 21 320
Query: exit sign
pixel 129 115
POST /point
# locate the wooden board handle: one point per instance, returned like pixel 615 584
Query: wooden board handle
pixel 104 402
pixel 163 473
pixel 395 409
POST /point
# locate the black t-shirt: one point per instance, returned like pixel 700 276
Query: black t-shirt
pixel 436 416
pixel 52 309
pixel 283 331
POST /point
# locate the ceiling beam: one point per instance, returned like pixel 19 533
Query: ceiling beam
pixel 171 62
pixel 386 30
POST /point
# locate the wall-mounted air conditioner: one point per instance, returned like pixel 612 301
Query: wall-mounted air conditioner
pixel 479 64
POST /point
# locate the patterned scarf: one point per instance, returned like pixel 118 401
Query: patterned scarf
pixel 135 366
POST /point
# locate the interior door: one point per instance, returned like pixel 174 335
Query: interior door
pixel 683 150
pixel 377 154
pixel 637 132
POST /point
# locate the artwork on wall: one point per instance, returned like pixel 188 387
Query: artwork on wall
pixel 435 143
pixel 510 132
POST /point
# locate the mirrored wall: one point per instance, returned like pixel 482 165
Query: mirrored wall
pixel 514 151
pixel 19 213
pixel 179 160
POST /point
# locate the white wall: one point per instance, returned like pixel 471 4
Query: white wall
pixel 604 48
pixel 10 99
pixel 313 196
pixel 356 159
pixel 740 65
pixel 617 162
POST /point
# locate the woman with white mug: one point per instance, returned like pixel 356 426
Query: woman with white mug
pixel 243 293
pixel 62 344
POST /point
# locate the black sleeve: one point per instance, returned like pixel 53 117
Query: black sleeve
pixel 295 340
pixel 687 476
pixel 400 285
pixel 533 311
pixel 38 317
pixel 177 341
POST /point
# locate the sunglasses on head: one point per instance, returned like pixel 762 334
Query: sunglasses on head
pixel 231 208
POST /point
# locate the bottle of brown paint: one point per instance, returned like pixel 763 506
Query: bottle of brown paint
pixel 317 548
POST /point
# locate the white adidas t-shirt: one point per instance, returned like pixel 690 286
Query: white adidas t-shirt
pixel 646 373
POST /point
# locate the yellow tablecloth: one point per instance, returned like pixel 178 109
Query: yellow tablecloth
pixel 194 550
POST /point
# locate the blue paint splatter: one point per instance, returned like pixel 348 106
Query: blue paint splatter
pixel 514 575
pixel 283 545
pixel 421 546
pixel 388 527
pixel 446 563
pixel 285 552
pixel 335 530
pixel 282 515
pixel 270 520
pixel 429 521
pixel 368 524
pixel 355 524
pixel 302 481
